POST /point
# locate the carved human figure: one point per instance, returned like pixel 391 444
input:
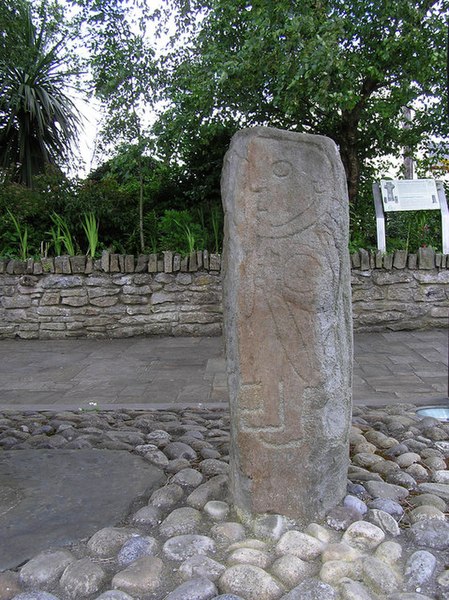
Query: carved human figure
pixel 287 322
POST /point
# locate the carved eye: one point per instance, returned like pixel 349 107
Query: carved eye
pixel 282 168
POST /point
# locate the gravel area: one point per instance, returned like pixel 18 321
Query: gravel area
pixel 388 539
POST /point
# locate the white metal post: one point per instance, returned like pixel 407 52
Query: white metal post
pixel 380 218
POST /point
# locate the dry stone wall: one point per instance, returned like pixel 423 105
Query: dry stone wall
pixel 116 296
pixel 400 291
pixel 120 296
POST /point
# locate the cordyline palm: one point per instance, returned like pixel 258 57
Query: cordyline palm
pixel 38 121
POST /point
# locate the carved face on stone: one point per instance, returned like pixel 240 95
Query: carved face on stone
pixel 277 170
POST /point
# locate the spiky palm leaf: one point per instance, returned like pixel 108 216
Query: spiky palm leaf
pixel 38 120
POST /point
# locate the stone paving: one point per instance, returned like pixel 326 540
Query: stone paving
pixel 387 540
pixel 156 372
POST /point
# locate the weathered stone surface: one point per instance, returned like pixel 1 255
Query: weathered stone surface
pixel 143 576
pixel 45 568
pixel 250 582
pixel 201 566
pixel 287 322
pixel 312 589
pixel 182 547
pixel 199 588
pixel 82 578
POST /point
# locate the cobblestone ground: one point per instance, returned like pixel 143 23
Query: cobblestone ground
pixel 389 538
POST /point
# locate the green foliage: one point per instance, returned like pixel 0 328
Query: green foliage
pixel 90 226
pixel 38 119
pixel 22 236
pixel 412 230
pixel 179 232
pixel 341 69
pixel 64 233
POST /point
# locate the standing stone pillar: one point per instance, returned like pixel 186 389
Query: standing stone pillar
pixel 288 324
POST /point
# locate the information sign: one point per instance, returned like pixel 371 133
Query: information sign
pixel 409 194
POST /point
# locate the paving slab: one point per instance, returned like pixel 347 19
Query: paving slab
pixel 167 371
pixel 51 498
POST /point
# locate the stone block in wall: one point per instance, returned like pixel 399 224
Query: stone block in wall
pixel 61 281
pixel 444 261
pixel 97 280
pixel 129 263
pixel 440 312
pixel 52 327
pixel 214 262
pixel 176 262
pixel 168 261
pixel 75 300
pixel 105 261
pixel 104 301
pixel 152 263
pixel 2 266
pixel 432 277
pixel 388 261
pixel 78 264
pixel 89 265
pixel 164 278
pixel 193 266
pixel 158 329
pixel 16 267
pixel 120 279
pixel 17 301
pixel 30 266
pixel 400 259
pixel 383 277
pixel 185 264
pixel 438 260
pixel 100 292
pixel 139 309
pixel 37 268
pixel 58 265
pixel 133 299
pixel 412 261
pixel 206 259
pixel 199 259
pixel 197 317
pixel 426 258
pixel 142 279
pixel 203 279
pixel 50 298
pixel 160 265
pixel 114 263
pixel 62 265
pixel 48 265
pixel 141 290
pixel 27 281
pixel 163 297
pixel 429 293
pixel 364 260
pixel 355 260
pixel 142 263
pixel 184 278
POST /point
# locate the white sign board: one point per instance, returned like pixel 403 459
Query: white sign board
pixel 409 194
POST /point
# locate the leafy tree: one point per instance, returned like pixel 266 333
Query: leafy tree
pixel 121 65
pixel 342 69
pixel 38 119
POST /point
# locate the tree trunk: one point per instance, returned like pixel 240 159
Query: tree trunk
pixel 142 237
pixel 348 142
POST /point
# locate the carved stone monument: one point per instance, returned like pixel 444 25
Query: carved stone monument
pixel 288 326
